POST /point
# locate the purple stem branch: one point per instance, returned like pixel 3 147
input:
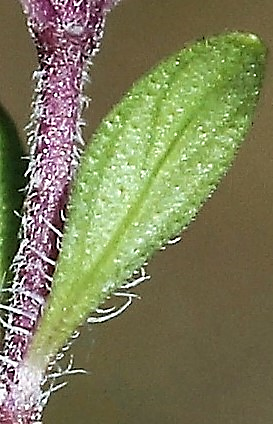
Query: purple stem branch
pixel 67 33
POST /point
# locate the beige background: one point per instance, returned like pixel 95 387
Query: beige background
pixel 198 347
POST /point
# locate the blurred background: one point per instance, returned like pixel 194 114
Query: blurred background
pixel 198 347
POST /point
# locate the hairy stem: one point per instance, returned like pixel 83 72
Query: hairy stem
pixel 67 34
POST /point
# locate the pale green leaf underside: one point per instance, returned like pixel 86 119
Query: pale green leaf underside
pixel 151 165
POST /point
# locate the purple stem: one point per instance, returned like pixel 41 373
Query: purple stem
pixel 67 33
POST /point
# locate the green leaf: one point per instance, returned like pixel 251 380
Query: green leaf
pixel 153 162
pixel 11 180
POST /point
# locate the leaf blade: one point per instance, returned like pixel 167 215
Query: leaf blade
pixel 11 180
pixel 152 164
